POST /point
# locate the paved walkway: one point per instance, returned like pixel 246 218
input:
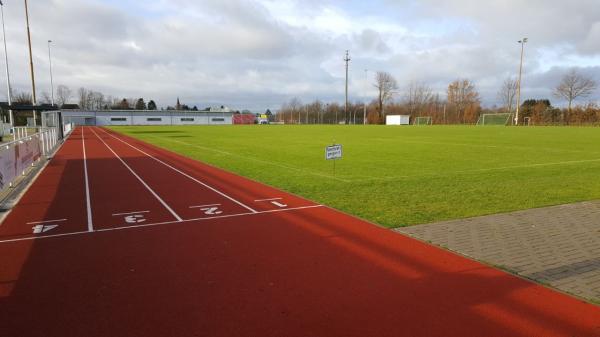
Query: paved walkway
pixel 558 246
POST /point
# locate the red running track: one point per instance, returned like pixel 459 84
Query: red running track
pixel 133 240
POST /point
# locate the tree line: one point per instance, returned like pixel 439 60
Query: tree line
pixel 85 99
pixel 460 105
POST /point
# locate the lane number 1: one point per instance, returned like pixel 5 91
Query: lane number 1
pixel 278 204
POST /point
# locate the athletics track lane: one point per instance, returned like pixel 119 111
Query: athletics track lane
pixel 117 197
pixel 253 194
pixel 295 272
pixel 57 197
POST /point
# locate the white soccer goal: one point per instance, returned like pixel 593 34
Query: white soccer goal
pixel 495 119
pixel 423 121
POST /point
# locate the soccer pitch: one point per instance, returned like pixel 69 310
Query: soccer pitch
pixel 399 176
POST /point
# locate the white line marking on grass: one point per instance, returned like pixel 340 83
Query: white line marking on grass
pixel 161 223
pixel 88 201
pixel 289 167
pixel 205 206
pixel 45 221
pixel 501 168
pixel 272 199
pixel 141 180
pixel 184 174
pixel 128 213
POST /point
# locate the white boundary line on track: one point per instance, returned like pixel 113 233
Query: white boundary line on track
pixel 45 221
pixel 159 224
pixel 140 179
pixel 184 174
pixel 205 206
pixel 128 213
pixel 90 223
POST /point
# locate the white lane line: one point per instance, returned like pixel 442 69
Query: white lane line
pixel 160 224
pixel 45 221
pixel 45 237
pixel 205 206
pixel 206 218
pixel 272 199
pixel 128 213
pixel 88 202
pixel 140 179
pixel 184 174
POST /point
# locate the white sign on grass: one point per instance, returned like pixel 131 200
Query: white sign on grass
pixel 333 152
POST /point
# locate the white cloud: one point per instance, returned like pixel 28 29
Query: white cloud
pixel 257 53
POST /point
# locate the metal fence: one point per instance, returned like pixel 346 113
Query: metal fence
pixel 31 145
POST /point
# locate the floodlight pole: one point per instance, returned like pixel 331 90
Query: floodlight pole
pixel 31 63
pixel 522 42
pixel 51 77
pixel 9 91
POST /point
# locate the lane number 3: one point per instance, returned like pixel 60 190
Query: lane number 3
pixel 137 218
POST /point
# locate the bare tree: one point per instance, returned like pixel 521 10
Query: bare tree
pixel 22 98
pixel 46 99
pixel 386 86
pixel 84 96
pixel 508 93
pixel 294 107
pixel 97 100
pixel 416 97
pixel 574 85
pixel 462 95
pixel 63 95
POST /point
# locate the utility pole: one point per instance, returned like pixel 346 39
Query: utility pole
pixel 347 60
pixel 365 104
pixel 9 93
pixel 522 42
pixel 31 62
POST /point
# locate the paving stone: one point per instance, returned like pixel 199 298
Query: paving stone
pixel 559 245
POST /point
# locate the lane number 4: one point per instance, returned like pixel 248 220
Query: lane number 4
pixel 43 228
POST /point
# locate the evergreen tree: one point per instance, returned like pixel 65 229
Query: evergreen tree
pixel 140 104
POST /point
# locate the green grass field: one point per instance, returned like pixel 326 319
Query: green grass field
pixel 399 176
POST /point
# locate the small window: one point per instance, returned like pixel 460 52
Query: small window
pixel 187 119
pixel 218 119
pixel 154 119
pixel 118 119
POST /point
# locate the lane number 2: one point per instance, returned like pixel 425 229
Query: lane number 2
pixel 211 210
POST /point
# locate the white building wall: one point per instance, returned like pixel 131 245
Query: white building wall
pixel 130 117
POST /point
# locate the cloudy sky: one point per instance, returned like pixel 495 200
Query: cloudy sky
pixel 258 53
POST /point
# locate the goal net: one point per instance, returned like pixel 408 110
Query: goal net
pixel 495 119
pixel 422 121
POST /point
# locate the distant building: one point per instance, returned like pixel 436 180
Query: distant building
pixel 220 109
pixel 70 106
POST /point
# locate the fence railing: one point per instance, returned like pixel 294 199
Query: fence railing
pixel 26 150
